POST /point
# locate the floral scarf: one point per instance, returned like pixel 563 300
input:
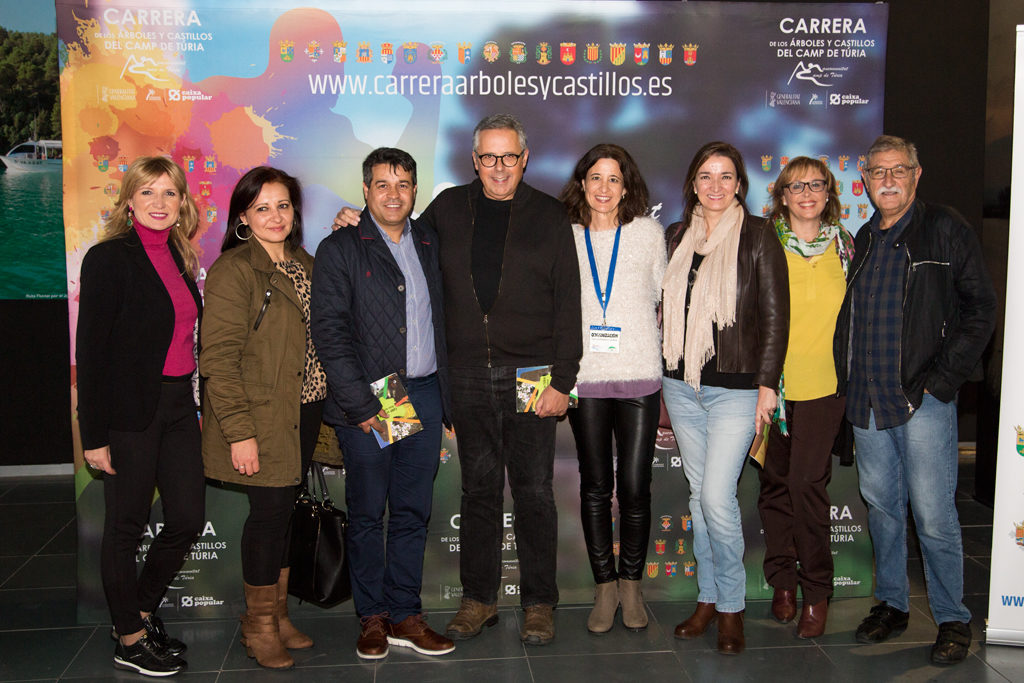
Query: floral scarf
pixel 828 235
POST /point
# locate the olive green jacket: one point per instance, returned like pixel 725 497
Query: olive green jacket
pixel 252 357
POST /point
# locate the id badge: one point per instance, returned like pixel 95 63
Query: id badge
pixel 605 339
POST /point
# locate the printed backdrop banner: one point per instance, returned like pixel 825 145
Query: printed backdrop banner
pixel 1006 595
pixel 222 86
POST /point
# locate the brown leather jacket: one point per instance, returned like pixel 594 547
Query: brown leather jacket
pixel 757 341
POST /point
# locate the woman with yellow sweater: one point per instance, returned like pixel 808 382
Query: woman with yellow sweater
pixel 794 502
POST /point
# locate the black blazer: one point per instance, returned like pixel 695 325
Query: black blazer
pixel 125 323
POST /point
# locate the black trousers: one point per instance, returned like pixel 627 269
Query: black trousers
pixel 634 424
pixel 266 534
pixel 165 455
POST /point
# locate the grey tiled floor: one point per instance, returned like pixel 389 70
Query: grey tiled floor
pixel 40 639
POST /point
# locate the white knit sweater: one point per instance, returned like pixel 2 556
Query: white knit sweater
pixel 636 369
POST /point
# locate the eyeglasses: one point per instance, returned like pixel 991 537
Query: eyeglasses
pixel 899 171
pixel 489 160
pixel 814 185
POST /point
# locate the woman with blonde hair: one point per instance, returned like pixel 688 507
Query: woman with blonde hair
pixel 136 371
pixel 794 502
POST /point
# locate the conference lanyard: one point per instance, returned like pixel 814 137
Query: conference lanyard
pixel 602 298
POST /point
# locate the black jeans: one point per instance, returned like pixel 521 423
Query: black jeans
pixel 493 438
pixel 165 455
pixel 266 534
pixel 634 424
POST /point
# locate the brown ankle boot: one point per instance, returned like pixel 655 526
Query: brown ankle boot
pixel 606 603
pixel 260 635
pixel 698 621
pixel 634 614
pixel 291 637
pixel 730 633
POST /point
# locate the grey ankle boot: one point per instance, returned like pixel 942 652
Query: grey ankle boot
pixel 606 602
pixel 634 614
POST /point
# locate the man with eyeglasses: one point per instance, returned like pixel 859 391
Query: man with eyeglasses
pixel 918 312
pixel 511 285
pixel 512 300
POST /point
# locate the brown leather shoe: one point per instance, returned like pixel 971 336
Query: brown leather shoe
pixel 812 620
pixel 373 640
pixel 697 622
pixel 784 605
pixel 413 632
pixel 538 625
pixel 471 619
pixel 730 633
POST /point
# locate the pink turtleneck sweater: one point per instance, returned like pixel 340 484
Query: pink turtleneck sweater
pixel 180 359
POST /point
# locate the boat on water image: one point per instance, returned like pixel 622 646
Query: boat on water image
pixel 34 156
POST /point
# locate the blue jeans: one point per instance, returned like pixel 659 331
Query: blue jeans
pixel 399 478
pixel 916 461
pixel 714 428
pixel 493 438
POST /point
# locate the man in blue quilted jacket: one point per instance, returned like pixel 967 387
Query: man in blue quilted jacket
pixel 376 315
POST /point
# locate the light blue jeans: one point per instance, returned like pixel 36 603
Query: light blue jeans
pixel 916 460
pixel 714 428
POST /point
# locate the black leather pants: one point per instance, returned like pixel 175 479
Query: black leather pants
pixel 634 424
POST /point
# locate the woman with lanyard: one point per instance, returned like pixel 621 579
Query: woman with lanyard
pixel 619 381
pixel 726 314
pixel 794 502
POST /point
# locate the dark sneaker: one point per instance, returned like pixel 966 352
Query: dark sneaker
pixel 882 623
pixel 952 644
pixel 414 632
pixel 158 634
pixel 147 658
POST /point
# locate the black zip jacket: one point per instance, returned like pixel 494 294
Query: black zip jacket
pixel 535 319
pixel 949 306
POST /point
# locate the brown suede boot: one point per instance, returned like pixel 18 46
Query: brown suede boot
pixel 698 621
pixel 291 637
pixel 634 614
pixel 260 635
pixel 606 603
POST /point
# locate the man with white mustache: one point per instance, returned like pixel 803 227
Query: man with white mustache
pixel 918 312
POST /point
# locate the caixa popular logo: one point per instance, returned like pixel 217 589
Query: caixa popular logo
pixel 199 601
pixel 1018 534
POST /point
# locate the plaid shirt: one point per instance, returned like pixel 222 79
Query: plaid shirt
pixel 877 331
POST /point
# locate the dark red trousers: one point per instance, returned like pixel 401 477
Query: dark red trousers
pixel 794 502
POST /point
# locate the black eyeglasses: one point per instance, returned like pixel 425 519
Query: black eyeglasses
pixel 814 185
pixel 899 171
pixel 489 160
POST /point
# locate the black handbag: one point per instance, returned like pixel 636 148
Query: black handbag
pixel 319 563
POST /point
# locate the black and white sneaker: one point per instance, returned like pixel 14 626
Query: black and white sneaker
pixel 147 658
pixel 156 631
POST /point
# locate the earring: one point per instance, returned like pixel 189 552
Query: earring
pixel 131 215
pixel 239 236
